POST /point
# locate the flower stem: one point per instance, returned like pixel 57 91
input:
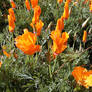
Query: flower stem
pixel 50 71
pixel 84 45
pixel 54 64
pixel 36 58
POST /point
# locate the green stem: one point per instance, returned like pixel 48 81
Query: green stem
pixel 36 54
pixel 50 71
pixel 73 44
pixel 36 59
pixel 84 45
pixel 54 64
pixel 32 58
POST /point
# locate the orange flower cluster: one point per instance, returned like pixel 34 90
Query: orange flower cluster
pixel 11 20
pixel 36 23
pixel 26 43
pixel 60 41
pixel 13 4
pixel 27 5
pixel 84 36
pixel 83 76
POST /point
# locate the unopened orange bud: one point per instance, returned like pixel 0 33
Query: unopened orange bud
pixel 0 63
pixel 66 10
pixel 59 1
pixel 27 5
pixel 84 36
pixel 11 23
pixel 6 54
pixel 13 4
pixel 34 3
pixel 11 13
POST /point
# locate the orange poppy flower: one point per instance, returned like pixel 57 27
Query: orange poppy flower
pixel 78 74
pixel 39 26
pixel 34 3
pixel 27 5
pixel 0 63
pixel 26 43
pixel 59 43
pixel 91 8
pixel 11 23
pixel 88 81
pixel 82 76
pixel 6 54
pixel 59 1
pixel 90 5
pixel 84 36
pixel 11 13
pixel 13 4
pixel 60 24
pixel 66 11
pixel 58 46
pixel 55 34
